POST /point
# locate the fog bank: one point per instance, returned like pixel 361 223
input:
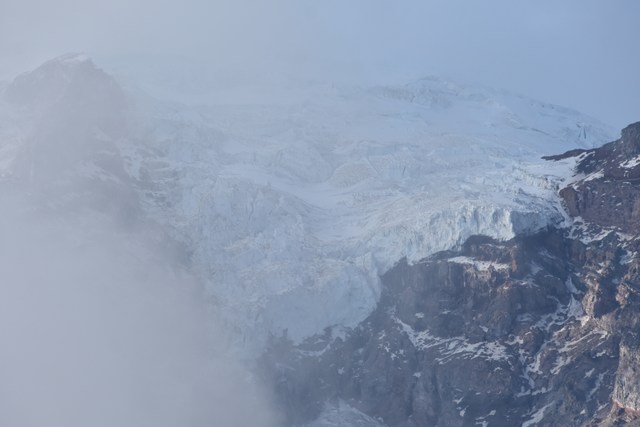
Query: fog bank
pixel 574 53
pixel 103 328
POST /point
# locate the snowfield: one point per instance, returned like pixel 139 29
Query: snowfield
pixel 290 211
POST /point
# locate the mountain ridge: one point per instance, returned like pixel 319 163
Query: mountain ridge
pixel 293 211
pixel 538 330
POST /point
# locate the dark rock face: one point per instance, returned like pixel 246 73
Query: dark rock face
pixel 609 195
pixel 540 330
pixel 626 393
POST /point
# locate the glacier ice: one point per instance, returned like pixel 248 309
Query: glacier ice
pixel 290 210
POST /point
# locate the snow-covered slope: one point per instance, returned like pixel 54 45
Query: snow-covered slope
pixel 290 210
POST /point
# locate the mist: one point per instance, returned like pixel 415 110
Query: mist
pixel 570 53
pixel 103 322
pixel 103 327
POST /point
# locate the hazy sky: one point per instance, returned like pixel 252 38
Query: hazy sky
pixel 579 53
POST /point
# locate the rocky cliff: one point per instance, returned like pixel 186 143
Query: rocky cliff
pixel 538 330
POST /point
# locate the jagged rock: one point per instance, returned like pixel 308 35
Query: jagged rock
pixel 626 393
pixel 539 330
pixel 609 195
pixel 465 337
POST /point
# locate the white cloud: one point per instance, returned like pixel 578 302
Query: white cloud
pixel 102 328
pixel 576 53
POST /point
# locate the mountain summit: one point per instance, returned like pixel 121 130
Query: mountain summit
pixel 64 121
pixel 292 211
pixel 402 253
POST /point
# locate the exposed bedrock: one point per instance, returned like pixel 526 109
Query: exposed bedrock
pixel 538 330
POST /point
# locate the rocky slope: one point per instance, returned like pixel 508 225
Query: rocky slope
pixel 538 330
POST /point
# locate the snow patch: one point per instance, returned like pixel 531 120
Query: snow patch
pixel 631 163
pixel 343 415
pixel 454 348
pixel 537 416
pixel 595 175
pixel 480 265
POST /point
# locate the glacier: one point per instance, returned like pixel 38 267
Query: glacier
pixel 288 211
